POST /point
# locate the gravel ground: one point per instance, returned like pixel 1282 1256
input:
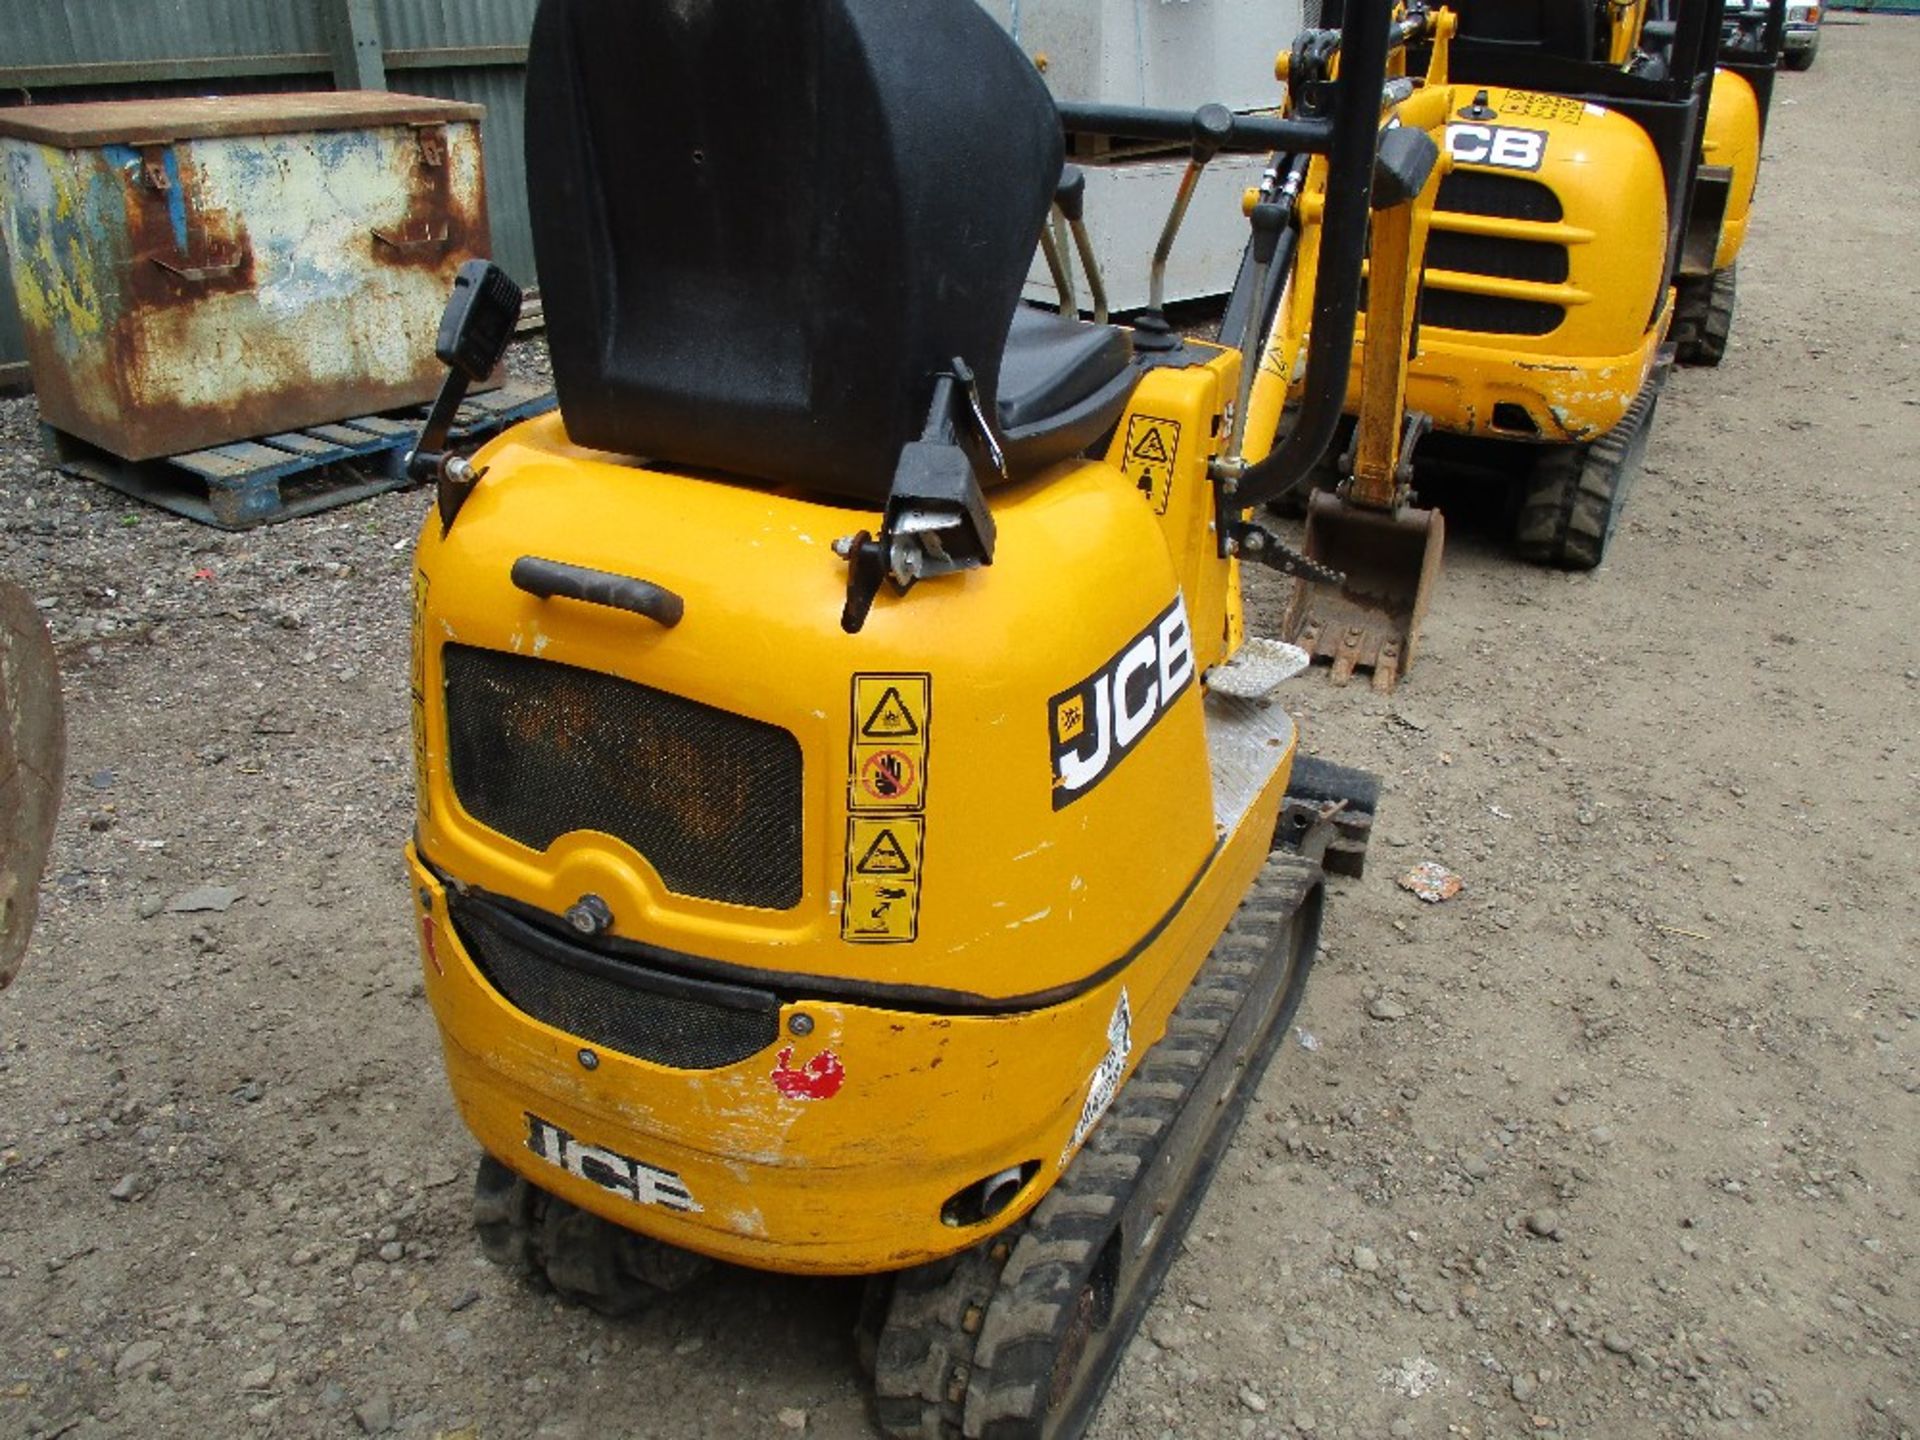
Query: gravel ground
pixel 1620 1142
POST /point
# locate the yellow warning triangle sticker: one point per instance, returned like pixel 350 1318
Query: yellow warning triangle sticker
pixel 1151 447
pixel 884 857
pixel 890 720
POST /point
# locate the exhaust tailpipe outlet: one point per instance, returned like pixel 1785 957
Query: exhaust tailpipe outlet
pixel 986 1198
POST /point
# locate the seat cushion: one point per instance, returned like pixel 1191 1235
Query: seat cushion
pixel 1063 384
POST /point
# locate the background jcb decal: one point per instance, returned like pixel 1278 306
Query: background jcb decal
pixel 1497 145
pixel 1153 447
pixel 882 889
pixel 1096 724
pixel 890 718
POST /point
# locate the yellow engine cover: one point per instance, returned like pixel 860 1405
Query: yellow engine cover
pixel 1733 139
pixel 1013 850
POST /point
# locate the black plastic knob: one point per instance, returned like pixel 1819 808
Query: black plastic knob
pixel 1212 128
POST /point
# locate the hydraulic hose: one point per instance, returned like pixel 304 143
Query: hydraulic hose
pixel 1343 241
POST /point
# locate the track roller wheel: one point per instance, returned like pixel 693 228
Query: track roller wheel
pixel 1574 496
pixel 1706 340
pixel 1017 1339
pixel 587 1260
pixel 923 1360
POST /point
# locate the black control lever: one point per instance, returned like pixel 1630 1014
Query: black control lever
pixel 1212 131
pixel 1072 200
pixel 475 330
pixel 1402 165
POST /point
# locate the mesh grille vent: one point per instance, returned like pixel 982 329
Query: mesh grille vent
pixel 712 800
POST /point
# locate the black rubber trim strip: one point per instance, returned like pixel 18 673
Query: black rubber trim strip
pixel 469 910
pixel 795 989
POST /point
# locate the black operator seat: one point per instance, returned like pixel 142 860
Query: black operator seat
pixel 764 227
pixel 1063 385
pixel 1565 28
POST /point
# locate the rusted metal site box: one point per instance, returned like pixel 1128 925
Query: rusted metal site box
pixel 192 272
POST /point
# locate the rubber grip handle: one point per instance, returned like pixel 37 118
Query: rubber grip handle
pixel 551 578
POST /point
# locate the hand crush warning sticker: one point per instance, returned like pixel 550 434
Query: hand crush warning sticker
pixel 891 720
pixel 1153 448
pixel 887 770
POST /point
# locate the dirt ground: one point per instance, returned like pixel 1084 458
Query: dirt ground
pixel 1623 1141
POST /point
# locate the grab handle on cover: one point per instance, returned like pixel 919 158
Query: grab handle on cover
pixel 550 578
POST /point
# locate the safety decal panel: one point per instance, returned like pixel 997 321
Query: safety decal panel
pixel 891 726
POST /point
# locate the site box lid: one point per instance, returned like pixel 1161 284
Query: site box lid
pixel 161 122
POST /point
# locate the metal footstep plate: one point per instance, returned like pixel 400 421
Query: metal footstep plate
pixel 1258 669
pixel 1246 741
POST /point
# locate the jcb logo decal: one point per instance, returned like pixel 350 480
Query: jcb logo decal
pixel 1096 724
pixel 622 1175
pixel 1497 145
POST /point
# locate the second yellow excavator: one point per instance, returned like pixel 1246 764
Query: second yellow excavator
pixel 1536 336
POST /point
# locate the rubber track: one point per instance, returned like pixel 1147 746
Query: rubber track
pixel 924 1360
pixel 586 1259
pixel 1576 492
pixel 928 1360
pixel 1709 345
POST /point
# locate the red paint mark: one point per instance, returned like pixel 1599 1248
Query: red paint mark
pixel 426 943
pixel 819 1079
pixel 203 574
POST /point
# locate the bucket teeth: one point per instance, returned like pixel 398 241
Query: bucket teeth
pixel 1391 559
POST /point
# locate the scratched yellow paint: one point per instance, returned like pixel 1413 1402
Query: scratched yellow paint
pixel 1052 911
pixel 1733 140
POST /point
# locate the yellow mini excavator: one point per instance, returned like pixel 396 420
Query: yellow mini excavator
pixel 1537 329
pixel 854 836
pixel 1382 550
pixel 1752 39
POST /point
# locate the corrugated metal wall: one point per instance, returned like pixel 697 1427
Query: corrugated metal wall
pixel 59 50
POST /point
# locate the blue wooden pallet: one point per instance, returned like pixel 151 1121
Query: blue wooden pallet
pixel 300 472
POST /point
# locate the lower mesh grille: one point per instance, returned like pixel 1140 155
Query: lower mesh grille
pixel 611 1002
pixel 538 750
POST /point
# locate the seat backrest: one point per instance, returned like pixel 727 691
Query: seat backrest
pixel 1566 28
pixel 762 226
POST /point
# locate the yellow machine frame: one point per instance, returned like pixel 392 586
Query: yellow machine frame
pixel 720 1161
